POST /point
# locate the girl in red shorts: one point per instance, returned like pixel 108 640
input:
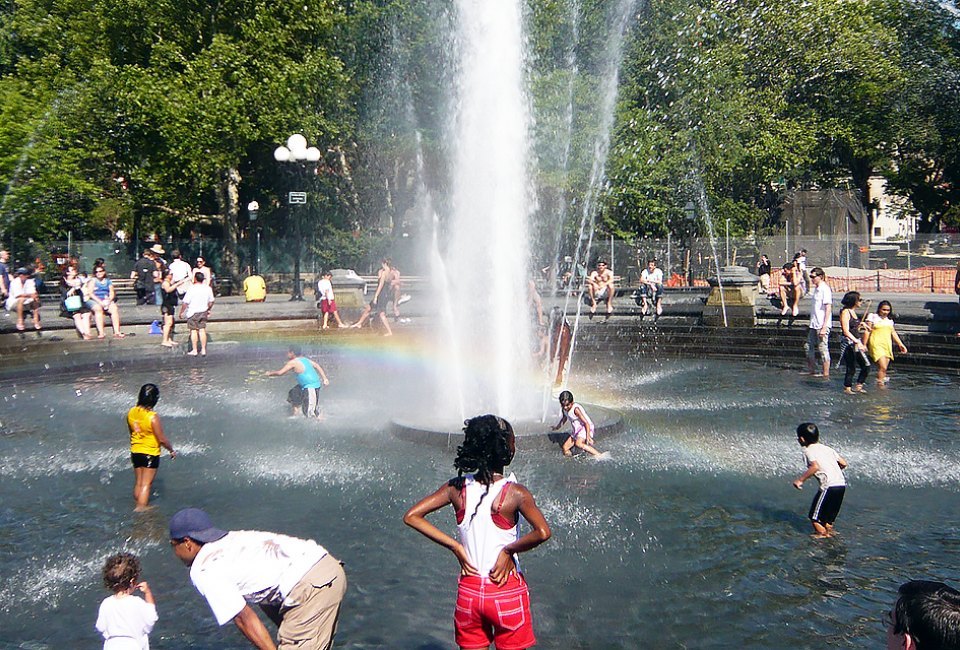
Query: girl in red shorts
pixel 493 603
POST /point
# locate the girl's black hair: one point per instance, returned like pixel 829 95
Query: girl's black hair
pixel 149 396
pixel 850 299
pixel 485 448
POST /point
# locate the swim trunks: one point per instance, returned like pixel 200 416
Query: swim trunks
pixel 307 399
pixel 826 505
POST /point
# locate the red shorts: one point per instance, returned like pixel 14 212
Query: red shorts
pixel 487 613
pixel 328 306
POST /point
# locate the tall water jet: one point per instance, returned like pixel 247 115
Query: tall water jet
pixel 609 84
pixel 486 257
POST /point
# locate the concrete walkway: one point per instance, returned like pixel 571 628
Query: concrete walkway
pixel 914 312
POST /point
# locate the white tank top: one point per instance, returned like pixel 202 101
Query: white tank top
pixel 578 424
pixel 481 537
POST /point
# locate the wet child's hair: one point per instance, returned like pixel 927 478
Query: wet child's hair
pixel 808 433
pixel 149 395
pixel 486 447
pixel 566 397
pixel 121 571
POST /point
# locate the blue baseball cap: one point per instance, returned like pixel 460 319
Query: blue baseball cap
pixel 195 524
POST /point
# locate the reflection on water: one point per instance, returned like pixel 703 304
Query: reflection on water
pixel 690 535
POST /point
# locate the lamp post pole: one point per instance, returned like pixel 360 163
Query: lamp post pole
pixel 253 211
pixel 690 213
pixel 296 151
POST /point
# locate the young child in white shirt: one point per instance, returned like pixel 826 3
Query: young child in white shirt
pixel 125 621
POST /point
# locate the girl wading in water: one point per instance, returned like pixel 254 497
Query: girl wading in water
pixel 493 603
pixel 146 439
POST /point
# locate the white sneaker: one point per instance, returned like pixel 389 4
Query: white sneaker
pixel 404 298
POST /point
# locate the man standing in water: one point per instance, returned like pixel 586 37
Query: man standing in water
pixel 295 582
pixel 305 396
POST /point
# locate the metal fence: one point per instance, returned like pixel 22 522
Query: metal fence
pixel 926 263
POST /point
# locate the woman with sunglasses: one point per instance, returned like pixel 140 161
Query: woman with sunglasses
pixel 103 299
pixel 206 270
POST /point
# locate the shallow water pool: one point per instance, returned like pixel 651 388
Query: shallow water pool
pixel 689 536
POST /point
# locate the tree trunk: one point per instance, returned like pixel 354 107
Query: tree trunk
pixel 228 198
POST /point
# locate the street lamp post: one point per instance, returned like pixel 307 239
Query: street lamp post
pixel 728 242
pixel 296 151
pixel 690 213
pixel 253 211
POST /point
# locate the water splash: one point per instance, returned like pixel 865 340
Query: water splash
pixel 609 84
pixel 486 256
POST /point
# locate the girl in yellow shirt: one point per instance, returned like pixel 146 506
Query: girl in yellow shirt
pixel 146 438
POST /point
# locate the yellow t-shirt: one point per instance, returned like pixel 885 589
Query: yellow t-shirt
pixel 254 288
pixel 142 440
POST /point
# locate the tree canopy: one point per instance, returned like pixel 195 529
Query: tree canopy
pixel 162 116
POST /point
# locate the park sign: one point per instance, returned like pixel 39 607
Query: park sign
pixel 297 198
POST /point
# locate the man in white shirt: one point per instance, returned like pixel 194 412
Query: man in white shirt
pixel 195 306
pixel 295 582
pixel 23 297
pixel 181 271
pixel 820 315
pixel 651 288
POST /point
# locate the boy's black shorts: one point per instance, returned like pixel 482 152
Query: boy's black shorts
pixel 826 505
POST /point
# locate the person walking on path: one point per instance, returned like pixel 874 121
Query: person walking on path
pixel 296 582
pixel 493 600
pixel 882 337
pixel 853 351
pixel 328 302
pixel 818 334
pixel 381 298
pixel 146 439
pixel 195 307
pixel 827 465
pixel 311 378
pixel 142 275
pixel 124 620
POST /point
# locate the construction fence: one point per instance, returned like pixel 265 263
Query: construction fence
pixel 926 264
